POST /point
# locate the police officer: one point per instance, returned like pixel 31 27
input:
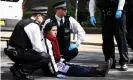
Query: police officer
pixel 112 26
pixel 129 18
pixel 66 25
pixel 26 45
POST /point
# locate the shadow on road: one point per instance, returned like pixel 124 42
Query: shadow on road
pixel 84 58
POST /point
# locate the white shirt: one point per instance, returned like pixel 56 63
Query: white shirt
pixel 53 64
pixel 92 6
pixel 60 66
pixel 35 36
pixel 75 27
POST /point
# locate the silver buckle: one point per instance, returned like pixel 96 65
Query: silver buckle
pixel 15 53
pixel 109 13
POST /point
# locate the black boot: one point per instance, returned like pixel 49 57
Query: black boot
pixel 23 75
pixel 131 61
pixel 14 68
pixel 113 65
pixel 104 69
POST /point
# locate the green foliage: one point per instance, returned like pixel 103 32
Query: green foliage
pixel 27 14
pixel 84 19
pixel 98 17
pixel 70 12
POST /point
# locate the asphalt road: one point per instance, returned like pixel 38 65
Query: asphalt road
pixel 88 55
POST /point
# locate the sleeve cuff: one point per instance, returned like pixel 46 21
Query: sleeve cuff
pixel 78 41
pixel 120 8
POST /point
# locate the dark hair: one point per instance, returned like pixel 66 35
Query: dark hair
pixel 48 27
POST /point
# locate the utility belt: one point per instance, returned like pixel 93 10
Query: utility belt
pixel 13 51
pixel 10 51
pixel 109 12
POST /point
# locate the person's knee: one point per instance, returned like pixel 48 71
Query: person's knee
pixel 45 60
pixel 74 52
pixel 45 57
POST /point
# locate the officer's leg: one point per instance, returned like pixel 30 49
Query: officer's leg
pixel 28 66
pixel 69 55
pixel 129 18
pixel 25 70
pixel 47 71
pixel 107 35
pixel 120 35
pixel 14 68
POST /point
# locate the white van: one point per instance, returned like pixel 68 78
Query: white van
pixel 11 11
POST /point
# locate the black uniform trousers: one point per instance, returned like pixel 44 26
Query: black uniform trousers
pixel 69 54
pixel 111 28
pixel 129 20
pixel 28 60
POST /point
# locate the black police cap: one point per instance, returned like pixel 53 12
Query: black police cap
pixel 61 5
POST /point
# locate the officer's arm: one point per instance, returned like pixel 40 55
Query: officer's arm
pixel 47 21
pixel 77 28
pixel 92 7
pixel 34 34
pixel 121 4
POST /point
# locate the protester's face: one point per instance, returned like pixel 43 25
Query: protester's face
pixel 61 12
pixel 40 18
pixel 53 31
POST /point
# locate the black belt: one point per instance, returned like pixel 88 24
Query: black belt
pixel 108 12
pixel 25 49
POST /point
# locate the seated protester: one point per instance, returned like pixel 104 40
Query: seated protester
pixel 66 25
pixel 26 47
pixel 63 68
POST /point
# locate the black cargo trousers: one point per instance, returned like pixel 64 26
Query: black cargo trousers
pixel 27 60
pixel 112 27
pixel 129 19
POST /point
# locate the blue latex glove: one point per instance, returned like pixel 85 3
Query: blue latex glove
pixel 72 46
pixel 118 14
pixel 93 20
pixel 61 76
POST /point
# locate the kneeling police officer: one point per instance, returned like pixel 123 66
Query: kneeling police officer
pixel 26 46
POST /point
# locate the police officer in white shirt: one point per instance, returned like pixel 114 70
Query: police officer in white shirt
pixel 66 26
pixel 26 42
pixel 112 12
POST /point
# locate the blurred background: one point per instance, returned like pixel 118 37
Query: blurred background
pixel 79 10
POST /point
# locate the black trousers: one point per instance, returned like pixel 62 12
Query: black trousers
pixel 69 55
pixel 111 28
pixel 28 60
pixel 129 20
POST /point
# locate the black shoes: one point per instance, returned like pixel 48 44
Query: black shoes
pixel 104 69
pixel 113 65
pixel 14 68
pixel 22 75
pixel 124 67
pixel 17 72
pixel 131 61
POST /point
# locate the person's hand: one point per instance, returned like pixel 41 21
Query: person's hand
pixel 118 14
pixel 72 46
pixel 93 20
pixel 61 76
